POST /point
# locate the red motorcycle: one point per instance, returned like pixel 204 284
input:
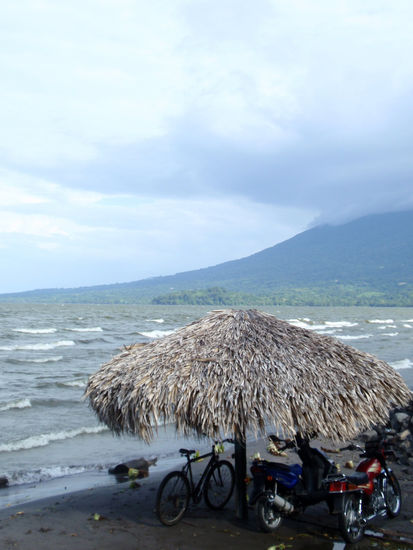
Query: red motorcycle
pixel 282 490
pixel 375 494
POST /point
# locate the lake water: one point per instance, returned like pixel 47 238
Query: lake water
pixel 47 353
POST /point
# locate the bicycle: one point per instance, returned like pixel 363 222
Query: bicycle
pixel 216 485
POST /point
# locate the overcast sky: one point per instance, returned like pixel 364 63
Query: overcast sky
pixel 146 138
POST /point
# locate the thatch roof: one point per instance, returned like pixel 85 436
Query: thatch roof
pixel 234 371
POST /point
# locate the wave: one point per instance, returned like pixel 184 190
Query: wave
pixel 38 347
pixel 17 404
pixel 72 384
pixel 35 330
pixel 306 323
pixel 53 402
pixel 381 321
pixel 91 329
pixel 340 324
pixel 45 474
pixel 53 359
pixel 26 403
pixel 354 337
pixel 156 333
pixel 43 440
pixel 390 333
pixel 156 320
pixel 301 323
pixel 91 340
pixel 406 325
pixel 402 364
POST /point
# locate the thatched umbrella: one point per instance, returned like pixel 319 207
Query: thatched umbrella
pixel 235 371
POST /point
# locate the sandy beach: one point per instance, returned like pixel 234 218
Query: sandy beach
pixel 117 516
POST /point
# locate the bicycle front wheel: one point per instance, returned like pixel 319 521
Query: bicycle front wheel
pixel 172 498
pixel 219 484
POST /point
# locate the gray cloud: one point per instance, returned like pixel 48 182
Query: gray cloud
pixel 164 125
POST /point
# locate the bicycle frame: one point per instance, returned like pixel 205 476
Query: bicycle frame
pixel 196 490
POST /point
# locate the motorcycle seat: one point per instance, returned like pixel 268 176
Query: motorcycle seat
pixel 277 465
pixel 358 478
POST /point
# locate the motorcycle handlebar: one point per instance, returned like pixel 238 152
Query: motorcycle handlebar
pixel 352 447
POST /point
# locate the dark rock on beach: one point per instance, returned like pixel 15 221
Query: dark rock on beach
pixel 4 482
pixel 139 464
pixel 400 428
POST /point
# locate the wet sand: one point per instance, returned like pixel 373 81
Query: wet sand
pixel 126 520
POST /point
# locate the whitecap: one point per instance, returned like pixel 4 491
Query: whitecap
pixel 406 325
pixel 87 329
pixel 17 404
pixel 340 324
pixel 37 347
pixel 74 384
pixel 381 321
pixel 156 333
pixel 44 474
pixel 47 359
pixel 300 323
pixel 353 337
pixel 35 330
pixel 157 320
pixel 43 440
pixel 402 364
pixel 390 333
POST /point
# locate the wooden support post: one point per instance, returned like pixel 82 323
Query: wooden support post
pixel 241 504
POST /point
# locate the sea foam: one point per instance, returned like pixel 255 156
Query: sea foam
pixel 353 337
pixel 156 333
pixel 38 347
pixel 17 404
pixel 35 330
pixel 53 359
pixel 402 364
pixel 307 323
pixel 73 384
pixel 45 474
pixel 91 329
pixel 43 440
pixel 340 324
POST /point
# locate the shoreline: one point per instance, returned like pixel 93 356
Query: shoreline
pixel 26 493
pixel 126 519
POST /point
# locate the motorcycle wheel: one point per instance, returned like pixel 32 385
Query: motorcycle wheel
pixel 349 519
pixel 269 518
pixel 393 496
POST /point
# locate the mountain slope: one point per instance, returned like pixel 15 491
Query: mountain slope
pixel 373 254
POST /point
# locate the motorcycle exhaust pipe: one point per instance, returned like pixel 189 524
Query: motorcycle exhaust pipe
pixel 282 504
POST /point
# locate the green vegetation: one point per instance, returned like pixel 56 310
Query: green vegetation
pixel 365 262
pixel 334 296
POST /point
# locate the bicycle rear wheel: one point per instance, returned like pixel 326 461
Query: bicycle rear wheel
pixel 219 484
pixel 172 498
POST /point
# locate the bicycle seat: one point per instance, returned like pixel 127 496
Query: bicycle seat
pixel 186 451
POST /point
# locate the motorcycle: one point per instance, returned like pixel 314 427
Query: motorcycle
pixel 282 490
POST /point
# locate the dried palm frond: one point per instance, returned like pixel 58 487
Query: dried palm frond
pixel 236 370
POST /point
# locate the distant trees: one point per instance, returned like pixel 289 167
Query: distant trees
pixel 335 295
